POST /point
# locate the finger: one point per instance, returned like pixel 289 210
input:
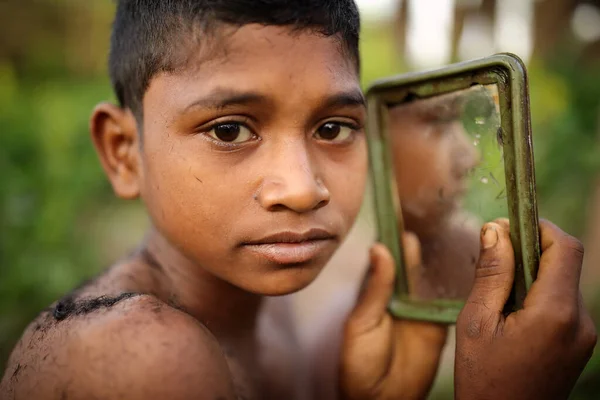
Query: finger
pixel 560 268
pixel 412 250
pixel 413 260
pixel 494 273
pixel 371 306
pixel 419 347
pixel 430 335
pixel 504 223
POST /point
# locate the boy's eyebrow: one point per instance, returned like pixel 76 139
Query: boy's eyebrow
pixel 223 98
pixel 343 99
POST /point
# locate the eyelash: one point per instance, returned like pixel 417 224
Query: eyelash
pixel 356 130
pixel 244 123
pixel 355 127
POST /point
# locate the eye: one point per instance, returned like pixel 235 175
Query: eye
pixel 231 132
pixel 335 132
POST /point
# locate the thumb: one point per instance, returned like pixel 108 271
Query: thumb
pixel 495 270
pixel 378 288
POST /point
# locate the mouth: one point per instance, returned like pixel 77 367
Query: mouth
pixel 292 247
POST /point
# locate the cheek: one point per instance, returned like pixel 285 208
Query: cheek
pixel 188 197
pixel 346 182
pixel 417 164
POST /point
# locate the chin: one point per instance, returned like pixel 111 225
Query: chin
pixel 288 279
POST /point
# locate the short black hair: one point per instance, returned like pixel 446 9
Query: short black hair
pixel 146 33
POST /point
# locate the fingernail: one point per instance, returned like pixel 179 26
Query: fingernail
pixel 489 237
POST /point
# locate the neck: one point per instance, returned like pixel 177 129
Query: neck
pixel 226 310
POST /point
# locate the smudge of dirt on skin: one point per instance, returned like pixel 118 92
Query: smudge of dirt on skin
pixel 69 306
pixel 17 371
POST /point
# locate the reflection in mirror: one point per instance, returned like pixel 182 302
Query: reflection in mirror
pixel 448 163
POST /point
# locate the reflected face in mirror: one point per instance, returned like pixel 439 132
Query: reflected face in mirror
pixel 432 156
pixel 449 177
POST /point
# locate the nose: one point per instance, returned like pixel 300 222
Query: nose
pixel 292 183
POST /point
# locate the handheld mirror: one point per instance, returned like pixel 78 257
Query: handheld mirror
pixel 450 150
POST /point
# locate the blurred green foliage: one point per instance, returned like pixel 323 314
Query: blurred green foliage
pixel 51 182
pixel 54 199
pixel 565 114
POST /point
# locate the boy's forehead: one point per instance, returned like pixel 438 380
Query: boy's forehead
pixel 232 44
pixel 262 59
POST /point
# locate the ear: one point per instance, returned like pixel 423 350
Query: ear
pixel 115 136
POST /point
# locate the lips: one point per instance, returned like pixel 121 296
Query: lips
pixel 292 247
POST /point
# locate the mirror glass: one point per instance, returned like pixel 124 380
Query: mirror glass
pixel 447 154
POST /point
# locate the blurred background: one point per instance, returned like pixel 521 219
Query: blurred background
pixel 60 223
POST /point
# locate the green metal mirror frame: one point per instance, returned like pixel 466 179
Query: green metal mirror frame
pixel 508 72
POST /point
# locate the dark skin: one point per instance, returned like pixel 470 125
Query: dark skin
pixel 198 327
pixel 497 352
pixel 254 138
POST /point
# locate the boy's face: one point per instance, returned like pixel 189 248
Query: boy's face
pixel 258 143
pixel 432 157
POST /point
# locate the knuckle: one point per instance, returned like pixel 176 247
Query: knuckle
pixel 472 323
pixel 488 266
pixel 574 246
pixel 564 319
pixel 356 326
pixel 473 328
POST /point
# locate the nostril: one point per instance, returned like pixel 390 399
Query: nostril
pixel 322 204
pixel 297 191
pixel 277 207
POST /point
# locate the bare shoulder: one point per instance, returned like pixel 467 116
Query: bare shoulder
pixel 138 347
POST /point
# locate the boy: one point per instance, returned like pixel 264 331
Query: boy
pixel 240 125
